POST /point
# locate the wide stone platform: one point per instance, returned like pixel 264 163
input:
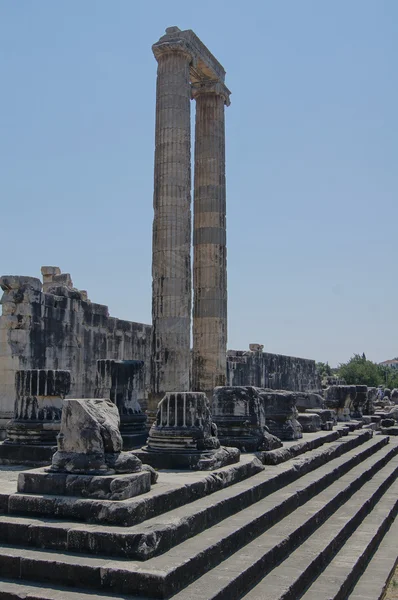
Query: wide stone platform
pixel 304 526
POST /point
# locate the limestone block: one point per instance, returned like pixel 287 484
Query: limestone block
pixel 340 398
pixel 123 381
pixel 50 271
pixel 387 393
pixel 371 399
pixel 310 422
pixel 394 395
pixel 359 402
pixel 256 347
pixel 393 413
pixel 17 282
pixel 305 400
pixel 281 413
pixel 239 415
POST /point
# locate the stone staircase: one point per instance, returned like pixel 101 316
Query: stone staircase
pixel 306 528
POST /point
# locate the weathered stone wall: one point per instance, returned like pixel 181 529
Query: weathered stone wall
pixel 60 329
pixel 273 371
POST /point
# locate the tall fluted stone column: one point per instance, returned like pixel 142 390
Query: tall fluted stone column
pixel 171 258
pixel 209 239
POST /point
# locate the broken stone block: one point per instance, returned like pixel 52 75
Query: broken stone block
pixel 123 382
pixel 184 436
pixel 393 430
pixel 16 282
pixel 310 423
pixel 369 407
pixel 393 413
pixel 239 415
pixel 256 347
pixel 387 393
pixel 306 400
pixel 281 413
pixel 327 415
pixel 359 402
pixel 340 398
pixel 387 423
pixel 394 396
pixel 38 406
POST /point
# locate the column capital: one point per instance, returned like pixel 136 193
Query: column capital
pixel 170 47
pixel 211 87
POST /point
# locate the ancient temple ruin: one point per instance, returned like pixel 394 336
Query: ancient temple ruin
pixel 265 490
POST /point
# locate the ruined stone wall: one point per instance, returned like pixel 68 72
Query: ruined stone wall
pixel 60 329
pixel 274 371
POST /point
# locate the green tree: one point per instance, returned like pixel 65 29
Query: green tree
pixel 323 369
pixel 360 371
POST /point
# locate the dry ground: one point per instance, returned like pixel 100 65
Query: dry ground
pixel 392 590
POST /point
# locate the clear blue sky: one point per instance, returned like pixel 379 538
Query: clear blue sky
pixel 312 152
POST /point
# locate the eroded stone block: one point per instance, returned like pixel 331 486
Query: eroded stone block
pixel 281 413
pixel 340 398
pixel 240 417
pixel 123 381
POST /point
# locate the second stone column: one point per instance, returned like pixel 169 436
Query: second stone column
pixel 209 239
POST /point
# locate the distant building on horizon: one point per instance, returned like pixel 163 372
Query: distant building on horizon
pixel 393 363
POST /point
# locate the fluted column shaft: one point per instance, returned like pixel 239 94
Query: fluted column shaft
pixel 171 258
pixel 209 240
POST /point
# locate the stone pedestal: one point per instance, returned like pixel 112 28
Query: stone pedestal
pixel 184 436
pixel 341 398
pixel 281 414
pixel 239 415
pixel 359 403
pixel 89 461
pixel 123 381
pixel 327 416
pixel 371 399
pixel 308 400
pixel 310 422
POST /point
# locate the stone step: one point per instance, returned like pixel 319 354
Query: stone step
pixel 174 486
pixel 374 580
pixel 294 448
pixel 343 571
pixel 164 575
pixel 298 571
pixel 237 573
pixel 15 590
pixel 159 534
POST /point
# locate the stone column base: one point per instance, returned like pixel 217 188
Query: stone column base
pixel 24 454
pixel 32 433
